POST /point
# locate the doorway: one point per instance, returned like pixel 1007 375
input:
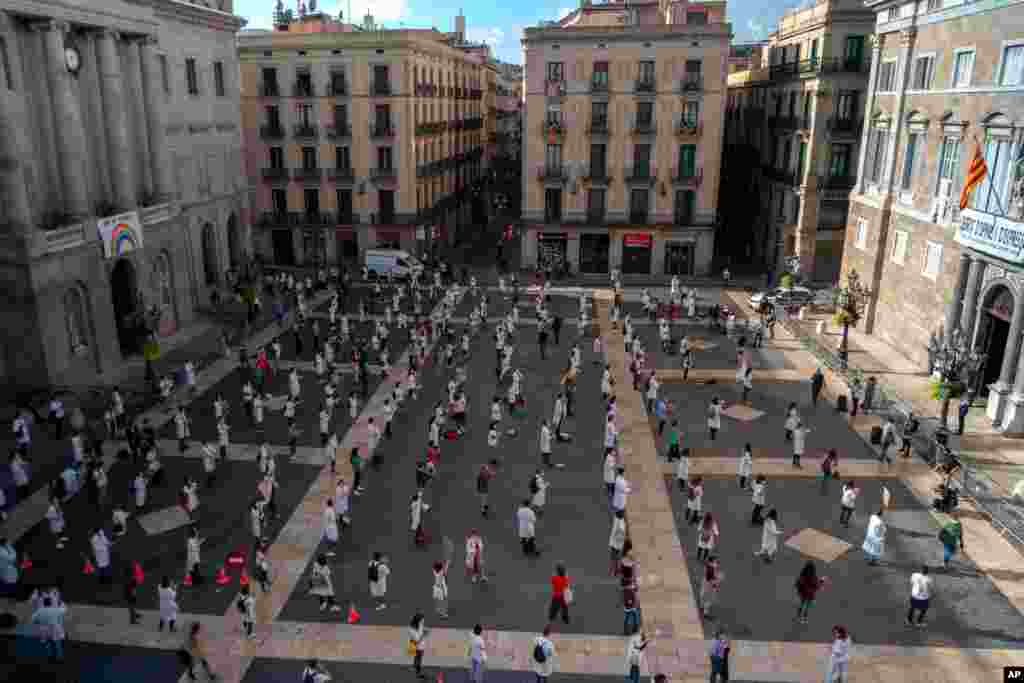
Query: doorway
pixel 210 267
pixel 124 294
pixel 993 333
pixel 678 258
pixel 284 248
pixel 234 244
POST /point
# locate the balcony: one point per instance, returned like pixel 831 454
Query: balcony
pixel 688 178
pixel 689 130
pixel 599 86
pixel 382 129
pixel 683 217
pixel 597 175
pixel 337 87
pixel 552 173
pixel 553 130
pixel 645 127
pixel 473 124
pixel 339 131
pixel 813 67
pixel 641 174
pixel 638 216
pixel 306 131
pixel 645 86
pixel 276 219
pixel 435 128
pixel 380 89
pixel 272 131
pixel 308 175
pixel 554 88
pixel 270 89
pixel 314 219
pixel 384 174
pixel 303 89
pixel 598 128
pixel 426 90
pixel 845 126
pixel 275 174
pixel 341 175
pixel 691 83
pixel 596 216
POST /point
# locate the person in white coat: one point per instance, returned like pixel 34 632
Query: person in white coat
pixel 192 550
pixel 330 526
pixel 770 533
pixel 342 501
pixel 839 656
pixel 416 509
pixel 379 587
pixel 257 409
pixel 746 466
pixel 101 553
pixel 874 539
pixel 622 490
pixel 139 486
pixel 168 596
pixel 714 417
pixel 611 468
pixel 526 522
pixel 539 492
pixel 617 541
pixel 543 655
pixel 799 442
pixel 322 585
pixel 182 428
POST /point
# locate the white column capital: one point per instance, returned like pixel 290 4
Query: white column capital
pixel 47 25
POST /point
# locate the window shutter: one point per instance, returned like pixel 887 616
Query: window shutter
pixel 921 163
pixel 869 159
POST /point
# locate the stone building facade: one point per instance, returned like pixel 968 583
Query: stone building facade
pixel 793 126
pixel 623 137
pixel 947 81
pixel 359 137
pixel 123 201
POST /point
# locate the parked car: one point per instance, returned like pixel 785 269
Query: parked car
pixel 781 296
pixel 401 264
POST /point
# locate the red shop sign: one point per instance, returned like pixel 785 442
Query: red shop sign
pixel 637 240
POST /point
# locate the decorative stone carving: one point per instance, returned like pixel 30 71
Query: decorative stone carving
pixel 992 273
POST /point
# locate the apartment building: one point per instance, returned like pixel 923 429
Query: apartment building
pixel 123 200
pixel 947 80
pixel 508 133
pixel 623 137
pixel 360 137
pixel 792 135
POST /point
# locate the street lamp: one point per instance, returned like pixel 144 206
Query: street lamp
pixel 851 301
pixel 953 359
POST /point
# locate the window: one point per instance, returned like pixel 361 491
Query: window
pixel 311 201
pixel 861 241
pixel 74 320
pixel 218 79
pixel 684 209
pixel 692 79
pixel 553 157
pixel 853 55
pixel 949 159
pixel 279 201
pixel 273 116
pixel 598 161
pixel 687 161
pixel 1011 72
pixel 899 247
pixel 892 14
pixel 645 76
pixel 887 77
pixel 599 114
pixel 384 158
pixel 277 157
pixel 638 205
pixel 934 5
pixel 991 195
pixel 382 117
pixel 697 18
pixel 839 165
pixel 801 155
pixel 932 260
pixel 924 67
pixel 340 116
pixel 814 51
pixel 595 204
pixel 691 113
pixel 309 158
pixel 381 85
pixel 644 115
pixel 165 74
pixel 846 105
pixel 552 205
pixel 642 161
pixel 344 205
pixel 342 158
pixel 600 77
pixel 386 202
pixel 338 83
pixel 963 65
pixel 877 149
pixel 556 71
pixel 909 158
pixel 305 112
pixel 191 77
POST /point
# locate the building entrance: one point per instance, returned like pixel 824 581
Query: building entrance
pixel 124 294
pixel 993 333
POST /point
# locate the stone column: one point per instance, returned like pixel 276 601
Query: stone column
pixel 115 120
pixel 907 39
pixel 70 134
pixel 869 103
pixel 135 105
pixel 1011 355
pixel 1013 419
pixel 160 158
pixel 956 306
pixel 970 303
pixel 13 155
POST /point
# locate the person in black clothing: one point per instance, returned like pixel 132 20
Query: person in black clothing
pixel 542 341
pixel 297 335
pixel 817 382
pixel 131 595
pixel 556 327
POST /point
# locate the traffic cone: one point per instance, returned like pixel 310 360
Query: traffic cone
pixel 137 573
pixel 187 581
pixel 353 615
pixel 222 578
pixel 26 563
pixel 88 569
pixel 243 580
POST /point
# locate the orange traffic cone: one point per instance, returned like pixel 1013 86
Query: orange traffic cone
pixel 222 578
pixel 88 569
pixel 353 615
pixel 26 563
pixel 243 580
pixel 188 579
pixel 137 573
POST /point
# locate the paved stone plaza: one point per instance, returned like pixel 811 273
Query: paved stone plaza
pixel 974 615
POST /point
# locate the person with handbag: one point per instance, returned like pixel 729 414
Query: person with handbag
pixel 543 655
pixel 417 638
pixel 561 594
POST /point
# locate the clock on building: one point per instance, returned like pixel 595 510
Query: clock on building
pixel 72 59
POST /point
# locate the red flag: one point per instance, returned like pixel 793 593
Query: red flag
pixel 353 615
pixel 976 173
pixel 137 573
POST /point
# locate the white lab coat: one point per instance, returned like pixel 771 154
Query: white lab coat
pixel 168 603
pixel 527 522
pixel 330 518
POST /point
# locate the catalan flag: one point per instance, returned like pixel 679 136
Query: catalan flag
pixel 976 173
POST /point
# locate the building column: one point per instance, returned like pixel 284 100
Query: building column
pixel 907 39
pixel 116 121
pixel 135 104
pixel 956 306
pixel 1013 418
pixel 69 131
pixel 13 185
pixel 152 85
pixel 970 303
pixel 869 103
pixel 998 391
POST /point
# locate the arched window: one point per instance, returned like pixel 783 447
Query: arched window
pixel 1001 150
pixel 76 321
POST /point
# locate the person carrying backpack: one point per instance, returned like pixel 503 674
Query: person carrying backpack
pixel 313 673
pixel 543 655
pixel 377 574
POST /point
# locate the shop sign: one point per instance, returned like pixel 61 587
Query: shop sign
pixel 641 240
pixel 553 236
pixel 992 235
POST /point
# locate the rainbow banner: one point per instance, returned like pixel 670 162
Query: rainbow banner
pixel 120 234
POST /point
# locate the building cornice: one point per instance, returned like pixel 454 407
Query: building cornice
pixel 252 45
pixel 144 20
pixel 620 34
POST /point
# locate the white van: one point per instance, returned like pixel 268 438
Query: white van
pixel 401 264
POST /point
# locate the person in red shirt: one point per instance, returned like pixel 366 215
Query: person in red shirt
pixel 561 594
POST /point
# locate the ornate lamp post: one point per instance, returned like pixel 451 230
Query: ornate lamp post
pixel 953 359
pixel 850 301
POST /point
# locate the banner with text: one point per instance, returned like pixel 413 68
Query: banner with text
pixel 120 234
pixel 992 235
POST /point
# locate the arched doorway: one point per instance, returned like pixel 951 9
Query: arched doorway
pixel 124 294
pixel 211 268
pixel 234 244
pixel 993 333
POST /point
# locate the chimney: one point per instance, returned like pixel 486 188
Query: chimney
pixel 460 27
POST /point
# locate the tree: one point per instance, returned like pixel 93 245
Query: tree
pixel 850 302
pixel 954 358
